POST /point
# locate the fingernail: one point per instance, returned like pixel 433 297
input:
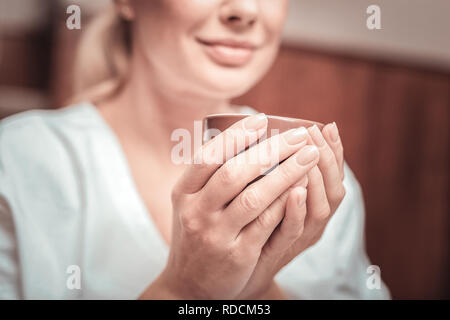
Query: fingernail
pixel 334 132
pixel 295 136
pixel 307 155
pixel 255 122
pixel 317 136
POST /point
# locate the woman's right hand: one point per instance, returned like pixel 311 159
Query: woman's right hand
pixel 211 255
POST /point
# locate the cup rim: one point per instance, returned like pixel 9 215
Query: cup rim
pixel 215 115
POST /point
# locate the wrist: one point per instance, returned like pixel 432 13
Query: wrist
pixel 272 292
pixel 160 289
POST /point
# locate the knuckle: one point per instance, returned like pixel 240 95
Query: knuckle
pixel 266 220
pixel 234 140
pixel 269 250
pixel 273 215
pixel 286 171
pixel 249 199
pixel 323 213
pixel 179 197
pixel 209 239
pixel 190 223
pixel 281 200
pixel 228 174
pixel 294 234
pixel 267 153
pixel 328 157
pixel 315 177
pixel 265 164
pixel 338 194
pixel 294 227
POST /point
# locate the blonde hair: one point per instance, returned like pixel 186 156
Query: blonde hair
pixel 102 57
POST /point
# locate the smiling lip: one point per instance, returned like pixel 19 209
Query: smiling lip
pixel 229 52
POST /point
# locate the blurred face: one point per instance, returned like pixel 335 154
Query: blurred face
pixel 214 48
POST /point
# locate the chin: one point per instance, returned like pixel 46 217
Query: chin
pixel 229 89
pixel 230 83
pixel 227 92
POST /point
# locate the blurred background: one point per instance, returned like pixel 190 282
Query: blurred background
pixel 388 90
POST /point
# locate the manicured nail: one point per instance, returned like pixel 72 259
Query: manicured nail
pixel 317 136
pixel 295 136
pixel 255 122
pixel 307 155
pixel 334 132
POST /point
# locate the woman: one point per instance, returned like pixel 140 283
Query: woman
pixel 92 205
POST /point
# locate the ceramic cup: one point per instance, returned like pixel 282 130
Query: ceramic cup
pixel 275 124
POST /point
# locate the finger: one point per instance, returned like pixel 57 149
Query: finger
pixel 329 168
pixel 302 183
pixel 259 230
pixel 317 203
pixel 331 134
pixel 258 196
pixel 239 171
pixel 292 226
pixel 216 151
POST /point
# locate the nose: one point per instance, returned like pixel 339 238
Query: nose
pixel 239 14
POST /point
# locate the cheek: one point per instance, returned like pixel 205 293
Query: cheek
pixel 160 25
pixel 163 26
pixel 175 14
pixel 272 18
pixel 273 15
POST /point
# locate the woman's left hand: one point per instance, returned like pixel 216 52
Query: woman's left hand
pixel 306 212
